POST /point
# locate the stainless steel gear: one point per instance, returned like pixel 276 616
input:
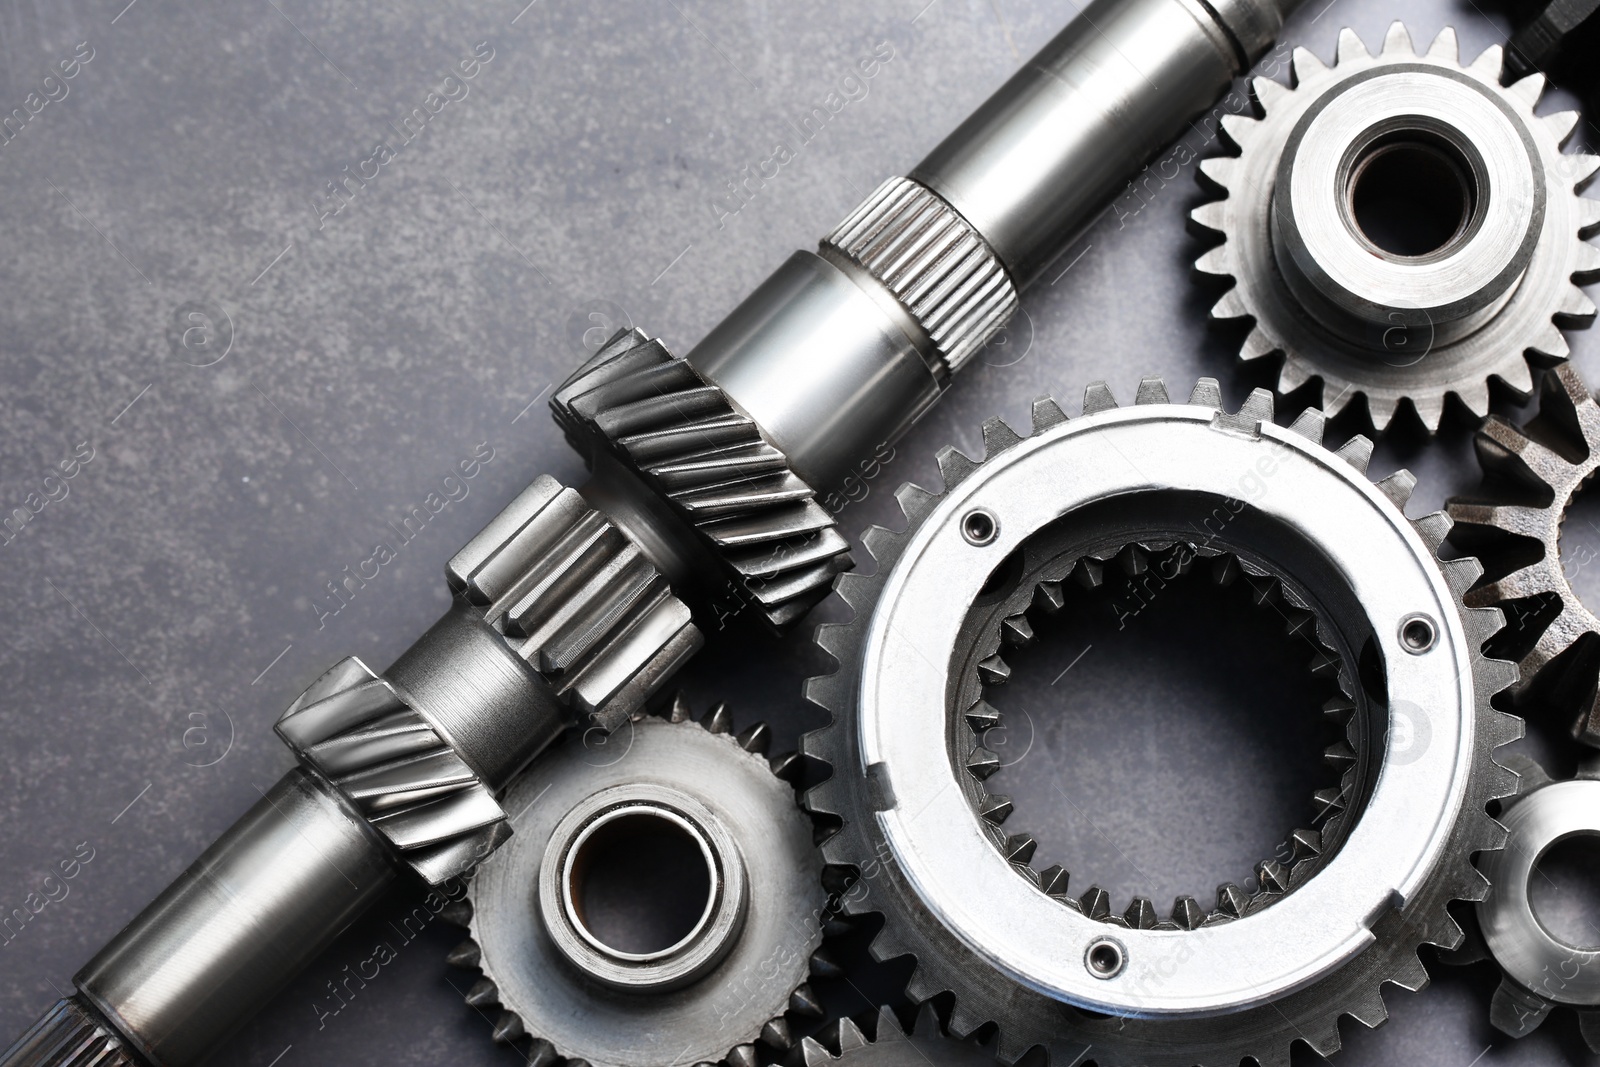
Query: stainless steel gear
pixel 1055 572
pixel 1517 532
pixel 1484 268
pixel 911 848
pixel 1539 970
pixel 729 982
pixel 891 1045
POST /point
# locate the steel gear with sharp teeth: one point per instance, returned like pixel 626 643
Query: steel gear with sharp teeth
pixel 1553 634
pixel 1528 319
pixel 891 1045
pixel 637 403
pixel 871 878
pixel 528 987
pixel 1045 588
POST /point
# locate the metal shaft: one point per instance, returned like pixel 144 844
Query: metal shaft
pixel 706 472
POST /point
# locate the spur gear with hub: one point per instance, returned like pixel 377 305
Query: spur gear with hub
pixel 1402 227
pixel 1005 950
pixel 551 972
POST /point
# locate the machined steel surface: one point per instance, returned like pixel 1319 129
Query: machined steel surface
pixel 1402 317
pixel 1037 964
pixel 733 977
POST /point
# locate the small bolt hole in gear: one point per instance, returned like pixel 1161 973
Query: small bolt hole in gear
pixel 1165 734
pixel 1412 194
pixel 638 856
pixel 1565 891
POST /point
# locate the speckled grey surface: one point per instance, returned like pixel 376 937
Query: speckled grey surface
pixel 160 615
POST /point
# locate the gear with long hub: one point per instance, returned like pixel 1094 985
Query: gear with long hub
pixel 1532 475
pixel 552 972
pixel 910 847
pixel 1125 579
pixel 1402 227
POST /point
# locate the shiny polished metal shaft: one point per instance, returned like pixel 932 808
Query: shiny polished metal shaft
pixel 575 605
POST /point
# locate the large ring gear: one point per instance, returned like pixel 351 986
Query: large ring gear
pixel 1045 969
pixel 1483 268
pixel 730 982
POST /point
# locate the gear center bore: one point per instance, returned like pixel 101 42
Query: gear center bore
pixel 1411 194
pixel 1235 697
pixel 1564 891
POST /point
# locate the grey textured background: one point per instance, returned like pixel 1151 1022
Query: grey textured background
pixel 160 616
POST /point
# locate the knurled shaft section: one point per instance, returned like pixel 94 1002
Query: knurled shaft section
pixel 934 262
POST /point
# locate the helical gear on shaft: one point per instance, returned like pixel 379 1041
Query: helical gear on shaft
pixel 740 1008
pixel 772 542
pixel 1414 346
pixel 1514 524
pixel 871 878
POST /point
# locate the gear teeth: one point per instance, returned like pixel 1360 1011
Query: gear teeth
pixel 1095 903
pixel 1588 269
pixel 679 709
pixel 1370 1010
pixel 1212 217
pixel 849 1036
pixel 1230 305
pixel 1097 398
pixel 719 720
pixel 1309 424
pixel 982 716
pixel 1357 452
pixel 1255 412
pixel 1019 848
pixel 1053 880
pixel 1434 528
pixel 745 1056
pixel 755 739
pixel 1048 598
pixel 1237 128
pixel 1273 876
pixel 775 1034
pixel 915 502
pixel 465 955
pixel 1046 413
pixel 1351 47
pixel 996 808
pixel 788 767
pixel 1187 913
pixel 1017 631
pixel 507 1029
pixel 998 437
pixel 1490 61
pixel 1446 47
pixel 1398 40
pixel 1528 89
pixel 823 965
pixel 1305 844
pixel 1577 307
pixel 1269 93
pixel 809 1053
pixel 1516 1011
pixel 1561 124
pixel 954 466
pixel 1141 914
pixel 1398 486
pixel 1589 217
pixel 804 1002
pixel 1151 391
pixel 457 913
pixel 982 763
pixel 1307 64
pixel 1409 973
pixel 483 994
pixel 994 671
pixel 1231 900
pixel 1207 393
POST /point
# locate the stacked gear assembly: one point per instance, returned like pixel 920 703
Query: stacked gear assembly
pixel 574 605
pixel 1045 968
pixel 1482 266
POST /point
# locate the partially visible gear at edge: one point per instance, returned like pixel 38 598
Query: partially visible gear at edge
pixel 1529 317
pixel 891 1045
pixel 1025 1019
pixel 1516 531
pixel 528 989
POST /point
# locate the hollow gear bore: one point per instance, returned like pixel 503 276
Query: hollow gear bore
pixel 910 846
pixel 1516 530
pixel 1402 227
pixel 729 982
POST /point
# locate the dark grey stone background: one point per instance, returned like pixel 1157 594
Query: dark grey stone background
pixel 160 616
